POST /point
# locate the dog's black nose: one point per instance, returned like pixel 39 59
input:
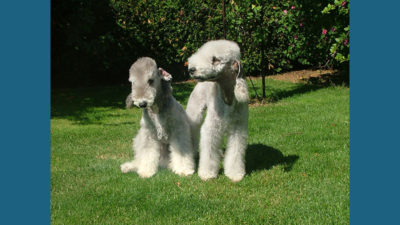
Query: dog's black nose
pixel 191 71
pixel 142 104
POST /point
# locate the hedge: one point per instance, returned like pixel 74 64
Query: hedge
pixel 102 40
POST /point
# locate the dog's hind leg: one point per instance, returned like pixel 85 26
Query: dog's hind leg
pixel 147 155
pixel 164 156
pixel 129 166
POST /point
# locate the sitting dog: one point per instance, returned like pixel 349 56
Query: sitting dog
pixel 222 91
pixel 164 137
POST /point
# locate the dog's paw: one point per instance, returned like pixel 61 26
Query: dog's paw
pixel 186 172
pixel 128 167
pixel 146 173
pixel 182 166
pixel 207 176
pixel 235 177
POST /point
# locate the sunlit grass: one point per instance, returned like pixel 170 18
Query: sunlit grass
pixel 297 163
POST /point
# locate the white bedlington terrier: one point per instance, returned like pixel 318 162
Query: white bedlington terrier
pixel 222 90
pixel 164 138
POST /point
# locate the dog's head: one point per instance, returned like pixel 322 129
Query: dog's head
pixel 148 82
pixel 214 59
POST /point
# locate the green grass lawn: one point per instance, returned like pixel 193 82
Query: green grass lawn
pixel 297 163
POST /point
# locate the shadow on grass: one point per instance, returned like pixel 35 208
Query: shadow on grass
pixel 330 79
pixel 263 157
pixel 78 104
pixel 276 93
pixel 91 105
pixel 81 105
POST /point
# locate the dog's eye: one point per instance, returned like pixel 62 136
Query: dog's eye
pixel 151 81
pixel 215 60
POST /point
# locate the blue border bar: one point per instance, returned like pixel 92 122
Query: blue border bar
pixel 374 112
pixel 25 112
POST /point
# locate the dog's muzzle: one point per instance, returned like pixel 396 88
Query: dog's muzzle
pixel 191 71
pixel 199 78
pixel 142 104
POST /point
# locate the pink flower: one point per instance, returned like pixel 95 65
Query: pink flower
pixel 345 41
pixel 333 29
pixel 293 7
pixel 324 31
pixel 301 24
pixel 344 3
pixel 285 11
pixel 295 37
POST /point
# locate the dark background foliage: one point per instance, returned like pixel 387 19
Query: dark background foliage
pixel 95 42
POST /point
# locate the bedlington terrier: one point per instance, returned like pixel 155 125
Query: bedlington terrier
pixel 222 90
pixel 164 137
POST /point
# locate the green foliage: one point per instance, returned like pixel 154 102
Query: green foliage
pixel 288 32
pixel 95 42
pixel 272 27
pixel 171 30
pixel 339 48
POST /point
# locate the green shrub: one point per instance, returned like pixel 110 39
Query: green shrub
pixel 95 42
pixel 288 31
pixel 171 30
pixel 338 35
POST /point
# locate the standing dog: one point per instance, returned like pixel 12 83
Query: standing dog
pixel 222 91
pixel 164 137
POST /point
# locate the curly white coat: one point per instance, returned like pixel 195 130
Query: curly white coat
pixel 222 91
pixel 164 137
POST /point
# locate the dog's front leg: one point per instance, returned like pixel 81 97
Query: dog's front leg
pixel 234 161
pixel 182 154
pixel 234 164
pixel 210 144
pixel 196 106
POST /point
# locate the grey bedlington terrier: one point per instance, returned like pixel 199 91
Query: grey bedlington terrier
pixel 222 91
pixel 164 137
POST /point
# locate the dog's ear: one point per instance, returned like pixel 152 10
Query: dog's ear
pixel 164 74
pixel 129 101
pixel 241 91
pixel 237 67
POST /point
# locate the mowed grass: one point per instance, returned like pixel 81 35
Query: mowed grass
pixel 297 163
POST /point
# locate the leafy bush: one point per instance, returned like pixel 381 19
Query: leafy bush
pixel 95 42
pixel 170 30
pixel 289 32
pixel 275 29
pixel 339 48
